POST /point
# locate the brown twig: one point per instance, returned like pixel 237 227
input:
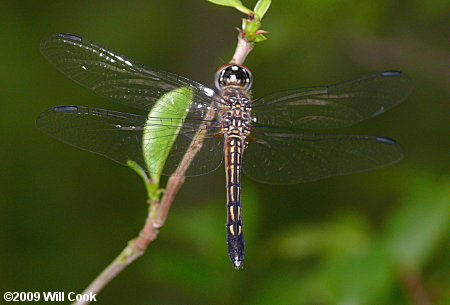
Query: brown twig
pixel 243 48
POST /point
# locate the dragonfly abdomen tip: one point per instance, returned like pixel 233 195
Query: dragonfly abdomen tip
pixel 237 264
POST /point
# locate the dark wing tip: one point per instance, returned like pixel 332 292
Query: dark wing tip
pixel 48 42
pixel 54 109
pixel 69 36
pixel 406 82
pixel 396 151
pixel 391 73
pixel 64 36
pixel 65 108
pixel 386 140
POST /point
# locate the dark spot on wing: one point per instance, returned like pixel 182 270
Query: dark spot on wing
pixel 391 73
pixel 65 108
pixel 386 140
pixel 70 36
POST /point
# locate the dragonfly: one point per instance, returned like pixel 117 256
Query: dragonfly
pixel 280 133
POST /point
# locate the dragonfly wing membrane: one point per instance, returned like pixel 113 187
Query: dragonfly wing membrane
pixel 206 160
pixel 288 158
pixel 333 106
pixel 117 77
pixel 118 136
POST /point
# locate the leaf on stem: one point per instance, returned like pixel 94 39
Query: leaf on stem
pixel 237 4
pixel 261 8
pixel 157 141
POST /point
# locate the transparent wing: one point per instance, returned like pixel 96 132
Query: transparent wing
pixel 118 136
pixel 287 158
pixel 119 78
pixel 333 106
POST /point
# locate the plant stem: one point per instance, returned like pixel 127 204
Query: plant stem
pixel 159 210
pixel 243 48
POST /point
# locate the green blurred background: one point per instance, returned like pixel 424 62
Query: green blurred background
pixel 379 237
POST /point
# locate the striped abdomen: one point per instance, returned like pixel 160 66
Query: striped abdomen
pixel 234 148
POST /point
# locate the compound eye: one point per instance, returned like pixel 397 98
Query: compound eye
pixel 233 75
pixel 220 77
pixel 248 78
pixel 244 76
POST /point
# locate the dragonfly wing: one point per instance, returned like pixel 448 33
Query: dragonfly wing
pixel 117 77
pixel 287 158
pixel 119 136
pixel 333 106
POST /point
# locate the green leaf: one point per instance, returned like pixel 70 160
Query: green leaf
pixel 233 3
pixel 139 170
pixel 250 26
pixel 157 140
pixel 226 2
pixel 261 8
pixel 259 38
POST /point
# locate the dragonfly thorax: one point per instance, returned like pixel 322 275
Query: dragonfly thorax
pixel 236 119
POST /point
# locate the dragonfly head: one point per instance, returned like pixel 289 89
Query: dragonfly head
pixel 233 75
